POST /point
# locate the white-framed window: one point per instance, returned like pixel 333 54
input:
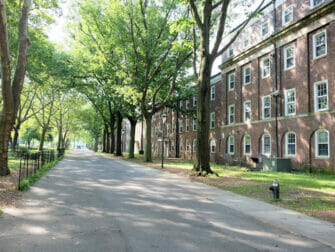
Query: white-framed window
pixel 320 44
pixel 264 28
pixel 266 144
pixel 213 145
pixel 194 101
pixel 180 126
pixel 321 95
pixel 188 147
pixel 290 144
pixel 194 124
pixel 187 104
pixel 231 81
pixel 181 104
pixel 266 67
pixel 231 114
pixel 315 3
pixel 245 41
pixel 168 128
pixel 247 111
pixel 290 102
pixel 247 145
pixel 194 145
pixel 172 127
pixel 230 52
pixel 172 146
pixel 266 107
pixel 287 15
pixel 212 93
pixel 289 59
pixel 181 146
pixel 187 125
pixel 231 145
pixel 246 75
pixel 212 121
pixel 322 144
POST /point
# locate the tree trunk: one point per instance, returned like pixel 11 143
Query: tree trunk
pixel 202 159
pixel 44 131
pixel 147 147
pixel 177 135
pixel 16 136
pixel 118 134
pixel 108 142
pixel 96 142
pixel 60 132
pixel 133 123
pixel 112 125
pixel 104 142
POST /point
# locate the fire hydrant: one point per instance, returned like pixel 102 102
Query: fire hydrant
pixel 275 189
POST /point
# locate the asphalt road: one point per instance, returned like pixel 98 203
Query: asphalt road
pixel 90 202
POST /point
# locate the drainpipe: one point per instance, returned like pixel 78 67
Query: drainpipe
pixel 275 73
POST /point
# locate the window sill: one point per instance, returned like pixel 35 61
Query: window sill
pixel 290 68
pixel 319 57
pixel 322 158
pixel 246 84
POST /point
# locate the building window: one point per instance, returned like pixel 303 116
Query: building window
pixel 231 81
pixel 230 52
pixel 321 96
pixel 194 101
pixel 322 144
pixel 246 75
pixel 231 114
pixel 245 41
pixel 290 102
pixel 291 144
pixel 266 67
pixel 264 29
pixel 320 45
pixel 181 104
pixel 181 146
pixel 172 127
pixel 266 107
pixel 287 15
pixel 247 111
pixel 289 60
pixel 187 104
pixel 315 3
pixel 172 146
pixel 194 145
pixel 212 120
pixel 212 93
pixel 187 145
pixel 247 145
pixel 231 145
pixel 213 146
pixel 168 128
pixel 187 125
pixel 180 126
pixel 194 124
pixel 266 144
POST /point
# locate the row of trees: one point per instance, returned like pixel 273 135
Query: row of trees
pixel 136 58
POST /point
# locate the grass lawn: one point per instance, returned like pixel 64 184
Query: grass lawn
pixel 13 163
pixel 312 194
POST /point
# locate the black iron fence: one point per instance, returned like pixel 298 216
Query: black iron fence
pixel 30 163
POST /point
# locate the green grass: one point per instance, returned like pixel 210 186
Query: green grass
pixel 299 191
pixel 13 163
pixel 27 182
pixel 1 212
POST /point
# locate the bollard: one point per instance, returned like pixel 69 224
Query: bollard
pixel 275 189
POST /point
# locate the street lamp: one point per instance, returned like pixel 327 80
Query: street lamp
pixel 164 116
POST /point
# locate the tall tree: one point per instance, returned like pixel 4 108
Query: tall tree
pixel 205 14
pixel 11 84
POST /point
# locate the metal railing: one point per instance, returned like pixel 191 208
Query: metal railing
pixel 30 163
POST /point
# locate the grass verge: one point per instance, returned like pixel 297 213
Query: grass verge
pixel 1 212
pixel 27 182
pixel 312 194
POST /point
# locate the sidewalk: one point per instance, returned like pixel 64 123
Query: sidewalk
pixel 285 219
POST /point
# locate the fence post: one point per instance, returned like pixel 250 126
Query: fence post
pixel 20 173
pixel 27 172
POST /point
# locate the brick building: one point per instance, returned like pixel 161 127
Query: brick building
pixel 276 93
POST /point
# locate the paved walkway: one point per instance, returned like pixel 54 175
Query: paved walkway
pixel 90 202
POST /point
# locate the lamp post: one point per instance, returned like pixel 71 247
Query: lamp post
pixel 163 126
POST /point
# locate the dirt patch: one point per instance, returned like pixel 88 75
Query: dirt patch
pixel 8 193
pixel 327 215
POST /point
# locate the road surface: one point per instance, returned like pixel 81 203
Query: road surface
pixel 90 202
